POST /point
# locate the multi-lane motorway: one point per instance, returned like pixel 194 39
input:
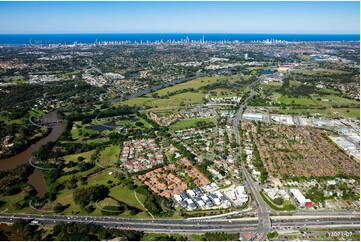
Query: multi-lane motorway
pixel 147 225
pixel 188 226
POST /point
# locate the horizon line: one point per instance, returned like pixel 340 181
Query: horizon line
pixel 183 33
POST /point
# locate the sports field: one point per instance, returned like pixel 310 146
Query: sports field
pixel 190 123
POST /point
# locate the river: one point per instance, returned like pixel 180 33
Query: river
pixel 36 179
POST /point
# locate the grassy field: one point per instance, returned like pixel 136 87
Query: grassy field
pixel 314 100
pixel 349 112
pixel 66 197
pixel 174 101
pixel 84 133
pixel 110 154
pixel 328 112
pixel 189 123
pixel 80 130
pixel 260 68
pixel 155 237
pixel 299 111
pixel 196 83
pixel 36 112
pixel 223 92
pixel 184 99
pixel 117 192
pixel 296 101
pixel 181 99
pixel 322 71
pixel 84 173
pixel 87 155
pixel 11 201
pixel 101 178
pixel 7 120
pixel 121 121
pixel 127 196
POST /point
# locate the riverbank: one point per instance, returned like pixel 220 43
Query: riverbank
pixel 36 179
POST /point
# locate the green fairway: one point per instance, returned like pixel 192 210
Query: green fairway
pixel 10 206
pixel 174 101
pixel 196 83
pixel 84 173
pixel 180 100
pixel 349 112
pixel 117 192
pixel 79 130
pixel 110 154
pixel 102 178
pixel 127 196
pixel 66 197
pixel 87 155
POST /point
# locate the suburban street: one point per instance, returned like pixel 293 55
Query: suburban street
pixel 263 211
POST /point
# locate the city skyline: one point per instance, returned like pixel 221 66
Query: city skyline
pixel 179 17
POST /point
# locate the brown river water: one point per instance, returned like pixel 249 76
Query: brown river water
pixel 36 179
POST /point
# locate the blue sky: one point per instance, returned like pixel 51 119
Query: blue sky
pixel 179 17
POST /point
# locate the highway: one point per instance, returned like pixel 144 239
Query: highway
pixel 342 212
pixel 186 226
pixel 147 225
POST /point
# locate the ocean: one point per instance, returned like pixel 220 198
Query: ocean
pixel 91 38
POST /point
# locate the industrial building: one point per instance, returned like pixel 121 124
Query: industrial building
pixel 242 192
pixel 253 116
pixel 223 198
pixel 207 201
pixel 197 191
pixel 191 204
pixel 184 196
pixel 199 202
pixel 274 193
pixel 191 193
pixel 300 199
pixel 196 199
pixel 214 199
